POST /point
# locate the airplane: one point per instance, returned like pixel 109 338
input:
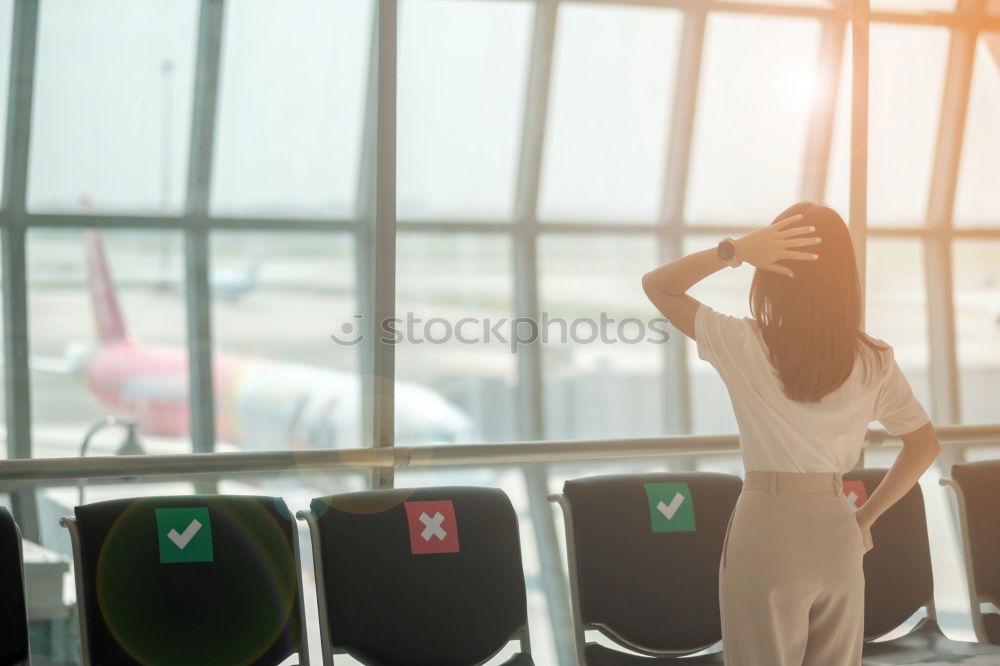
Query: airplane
pixel 260 404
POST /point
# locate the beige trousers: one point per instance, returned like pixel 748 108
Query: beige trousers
pixel 791 582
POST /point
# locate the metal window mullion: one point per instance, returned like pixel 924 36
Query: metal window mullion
pixel 201 398
pixel 858 213
pixel 364 249
pixel 943 362
pixel 675 376
pixel 379 239
pixel 17 376
pixel 816 167
pixel 530 387
pixel 530 390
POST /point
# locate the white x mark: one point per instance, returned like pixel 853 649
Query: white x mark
pixel 432 526
pixel 671 509
pixel 852 497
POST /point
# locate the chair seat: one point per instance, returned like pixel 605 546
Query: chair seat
pixel 926 644
pixel 598 655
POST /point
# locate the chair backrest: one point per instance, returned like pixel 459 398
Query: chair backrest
pixel 979 483
pixel 13 609
pixel 419 577
pixel 188 580
pixel 898 578
pixel 646 551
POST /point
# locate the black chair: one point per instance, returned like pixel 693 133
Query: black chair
pixel 644 565
pixel 419 577
pixel 977 491
pixel 188 580
pixel 13 607
pixel 899 582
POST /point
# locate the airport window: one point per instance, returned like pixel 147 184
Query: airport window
pixel 977 319
pixel 456 378
pixel 610 101
pixel 896 306
pixel 292 95
pixel 976 202
pixel 281 380
pixel 907 67
pixel 462 77
pixel 107 324
pixel 745 166
pixel 602 362
pixel 127 70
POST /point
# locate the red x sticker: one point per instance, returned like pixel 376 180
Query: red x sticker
pixel 433 528
pixel 856 493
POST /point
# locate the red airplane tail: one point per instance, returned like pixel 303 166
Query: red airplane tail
pixel 104 298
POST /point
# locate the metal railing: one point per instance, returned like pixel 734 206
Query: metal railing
pixel 198 464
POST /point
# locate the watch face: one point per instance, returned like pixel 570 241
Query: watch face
pixel 726 250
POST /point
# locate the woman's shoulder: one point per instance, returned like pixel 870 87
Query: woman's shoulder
pixel 877 355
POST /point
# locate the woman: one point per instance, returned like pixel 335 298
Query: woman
pixel 805 381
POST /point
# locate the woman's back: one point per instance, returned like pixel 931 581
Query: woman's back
pixel 780 434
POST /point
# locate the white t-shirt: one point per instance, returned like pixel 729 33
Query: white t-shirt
pixel 781 435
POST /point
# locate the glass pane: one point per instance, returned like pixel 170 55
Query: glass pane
pixel 282 381
pixel 462 74
pixel 6 32
pixel 125 69
pixel 602 361
pixel 753 114
pixel 977 326
pixel 455 374
pixel 292 94
pixel 613 76
pixel 728 292
pixel 108 336
pixel 906 83
pixel 976 201
pixel 896 307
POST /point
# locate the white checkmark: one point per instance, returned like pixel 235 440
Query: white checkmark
pixel 852 497
pixel 183 539
pixel 671 509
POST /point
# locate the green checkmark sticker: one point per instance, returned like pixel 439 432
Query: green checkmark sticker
pixel 185 535
pixel 671 508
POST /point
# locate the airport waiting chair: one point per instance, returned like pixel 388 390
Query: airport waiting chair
pixel 977 492
pixel 187 580
pixel 419 577
pixel 13 606
pixel 644 553
pixel 899 582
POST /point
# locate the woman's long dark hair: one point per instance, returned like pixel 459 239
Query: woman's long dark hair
pixel 811 323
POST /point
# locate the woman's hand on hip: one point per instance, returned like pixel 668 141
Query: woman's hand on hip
pixel 765 247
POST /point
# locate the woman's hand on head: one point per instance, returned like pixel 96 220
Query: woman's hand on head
pixel 763 248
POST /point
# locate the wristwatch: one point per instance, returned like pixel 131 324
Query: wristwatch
pixel 728 252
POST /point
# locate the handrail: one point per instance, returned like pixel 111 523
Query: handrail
pixel 194 464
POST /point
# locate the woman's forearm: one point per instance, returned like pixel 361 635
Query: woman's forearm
pixel 909 466
pixel 678 276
